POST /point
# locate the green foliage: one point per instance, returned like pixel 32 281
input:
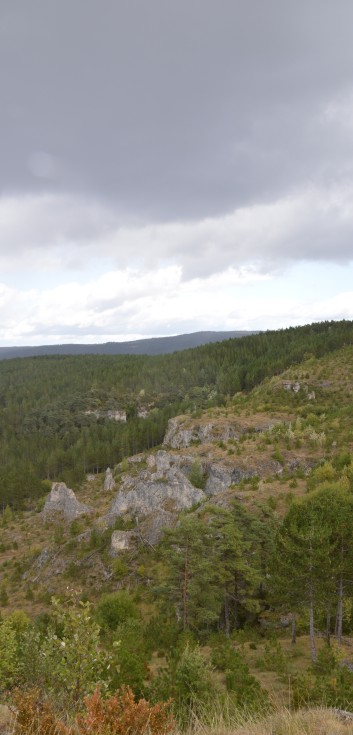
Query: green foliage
pixel 239 680
pixel 12 632
pixel 278 456
pixel 55 423
pixel 73 661
pixel 197 476
pixel 9 661
pixel 120 568
pixel 115 608
pixel 132 657
pixel 327 661
pixel 323 473
pixel 273 658
pixel 188 680
pixel 7 516
pixel 161 633
pixel 4 598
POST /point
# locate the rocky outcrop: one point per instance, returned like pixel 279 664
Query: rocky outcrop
pixel 180 434
pixel 109 482
pixel 63 501
pixel 164 488
pixel 183 431
pixel 151 492
pixel 219 478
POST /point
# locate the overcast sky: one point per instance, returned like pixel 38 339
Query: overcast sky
pixel 170 166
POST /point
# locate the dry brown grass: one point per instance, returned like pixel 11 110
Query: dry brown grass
pixel 318 721
pixel 315 721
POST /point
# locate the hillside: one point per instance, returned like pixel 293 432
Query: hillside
pixel 151 346
pixel 259 448
pixel 62 417
pixel 213 548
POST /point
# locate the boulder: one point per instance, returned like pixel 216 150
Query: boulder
pixel 62 500
pixel 120 541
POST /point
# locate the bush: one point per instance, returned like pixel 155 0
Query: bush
pixel 117 715
pixel 188 681
pixel 73 662
pixel 273 658
pixel 121 714
pixel 239 680
pixel 35 716
pixel 115 608
pixel 197 476
pixel 132 657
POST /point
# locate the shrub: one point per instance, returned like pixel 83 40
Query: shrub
pixel 73 662
pixel 34 716
pixel 197 476
pixel 239 680
pixel 188 680
pixel 273 658
pixel 121 714
pixel 120 568
pixel 115 608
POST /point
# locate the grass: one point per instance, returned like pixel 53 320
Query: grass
pixel 282 721
pixel 318 721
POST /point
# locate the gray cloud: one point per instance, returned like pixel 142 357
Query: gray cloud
pixel 173 110
pixel 59 233
pixel 164 164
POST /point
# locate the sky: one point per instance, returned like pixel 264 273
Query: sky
pixel 173 166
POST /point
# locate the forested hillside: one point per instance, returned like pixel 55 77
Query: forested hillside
pixel 57 412
pixel 215 570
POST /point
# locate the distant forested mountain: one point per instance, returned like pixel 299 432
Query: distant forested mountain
pixel 153 346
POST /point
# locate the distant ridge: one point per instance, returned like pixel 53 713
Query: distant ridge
pixel 152 346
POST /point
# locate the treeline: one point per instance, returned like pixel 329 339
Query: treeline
pixel 225 568
pixel 213 582
pixel 54 410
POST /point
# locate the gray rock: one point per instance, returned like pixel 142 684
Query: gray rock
pixel 120 541
pixel 109 482
pixel 63 501
pixel 163 461
pixel 219 478
pixel 179 436
pixel 149 493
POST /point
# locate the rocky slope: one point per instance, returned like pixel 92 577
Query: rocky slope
pixel 258 450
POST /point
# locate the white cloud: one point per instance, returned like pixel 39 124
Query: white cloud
pixel 166 278
pixel 50 233
pixel 131 304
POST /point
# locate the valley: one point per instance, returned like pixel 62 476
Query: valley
pixel 226 533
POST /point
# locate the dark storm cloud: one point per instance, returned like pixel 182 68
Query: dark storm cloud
pixel 173 110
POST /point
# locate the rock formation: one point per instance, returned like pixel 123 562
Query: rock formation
pixel 151 492
pixel 180 433
pixel 109 482
pixel 63 500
